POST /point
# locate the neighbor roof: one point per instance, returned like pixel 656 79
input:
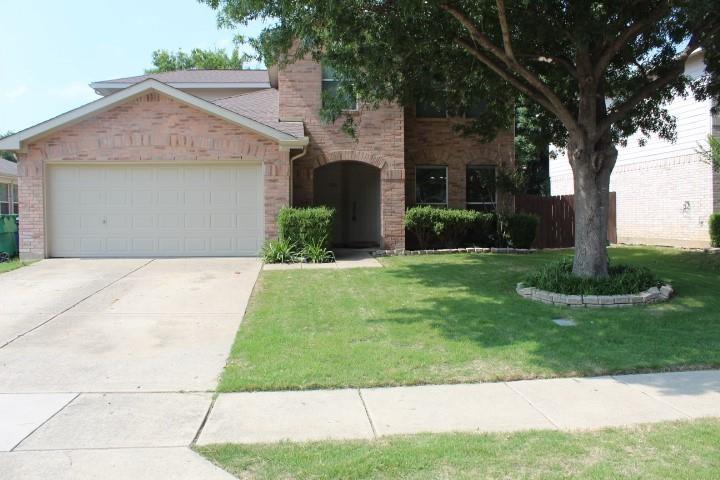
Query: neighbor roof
pixel 261 106
pixel 8 168
pixel 270 130
pixel 204 78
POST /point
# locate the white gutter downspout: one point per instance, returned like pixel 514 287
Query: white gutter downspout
pixel 291 173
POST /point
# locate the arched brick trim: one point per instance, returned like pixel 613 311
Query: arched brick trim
pixel 352 156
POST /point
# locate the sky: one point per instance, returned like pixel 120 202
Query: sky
pixel 50 50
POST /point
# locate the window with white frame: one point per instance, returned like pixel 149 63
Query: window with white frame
pixel 15 201
pixel 480 188
pixel 431 185
pixel 6 200
pixel 331 89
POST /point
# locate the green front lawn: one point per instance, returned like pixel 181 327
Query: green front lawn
pixel 664 451
pixel 457 318
pixel 12 265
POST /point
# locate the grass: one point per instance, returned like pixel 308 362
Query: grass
pixel 457 318
pixel 12 265
pixel 686 450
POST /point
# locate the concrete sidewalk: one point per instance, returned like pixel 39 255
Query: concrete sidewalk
pixel 557 404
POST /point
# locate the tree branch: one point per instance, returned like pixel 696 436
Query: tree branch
pixel 644 92
pixel 627 35
pixel 503 73
pixel 558 107
pixel 552 60
pixel 505 29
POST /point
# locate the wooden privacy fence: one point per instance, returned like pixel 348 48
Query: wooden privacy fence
pixel 557 219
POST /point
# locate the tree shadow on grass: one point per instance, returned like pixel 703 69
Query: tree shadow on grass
pixel 472 299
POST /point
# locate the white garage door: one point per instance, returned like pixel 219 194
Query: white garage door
pixel 154 210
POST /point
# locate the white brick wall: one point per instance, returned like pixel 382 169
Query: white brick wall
pixel 665 193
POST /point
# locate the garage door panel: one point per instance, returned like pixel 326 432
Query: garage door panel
pixel 117 198
pixel 155 210
pixel 121 245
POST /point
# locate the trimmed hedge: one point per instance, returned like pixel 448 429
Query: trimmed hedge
pixel 306 226
pixel 447 227
pixel 521 229
pixel 557 277
pixel 715 230
pixel 484 231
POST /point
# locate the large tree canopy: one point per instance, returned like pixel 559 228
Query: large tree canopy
pixel 599 70
pixel 218 59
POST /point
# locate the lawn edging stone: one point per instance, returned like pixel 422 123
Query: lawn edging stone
pixel 402 252
pixel 649 296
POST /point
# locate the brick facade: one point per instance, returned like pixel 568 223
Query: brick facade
pixel 379 142
pixel 150 128
pixel 390 138
pixel 433 141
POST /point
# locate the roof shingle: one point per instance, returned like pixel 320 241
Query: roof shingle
pixel 261 106
pixel 8 168
pixel 199 76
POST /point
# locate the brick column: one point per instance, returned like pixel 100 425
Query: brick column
pixel 392 191
pixel 277 190
pixel 32 207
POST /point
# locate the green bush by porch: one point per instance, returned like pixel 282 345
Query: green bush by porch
pixel 306 226
pixel 457 318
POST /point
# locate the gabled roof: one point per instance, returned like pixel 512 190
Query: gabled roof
pixel 193 79
pixel 284 139
pixel 8 168
pixel 262 106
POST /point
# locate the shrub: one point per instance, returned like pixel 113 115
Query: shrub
pixel 318 253
pixel 446 227
pixel 557 277
pixel 484 231
pixel 421 221
pixel 520 229
pixel 279 251
pixel 306 226
pixel 715 230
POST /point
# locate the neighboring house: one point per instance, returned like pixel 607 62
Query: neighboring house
pixel 196 163
pixel 665 191
pixel 8 187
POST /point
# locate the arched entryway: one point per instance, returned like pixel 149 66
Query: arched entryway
pixel 353 190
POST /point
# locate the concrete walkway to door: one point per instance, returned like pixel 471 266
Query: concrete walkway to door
pixel 108 366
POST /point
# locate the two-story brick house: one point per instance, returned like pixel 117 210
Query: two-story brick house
pixel 198 163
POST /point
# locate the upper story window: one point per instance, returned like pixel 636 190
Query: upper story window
pixel 481 188
pixel 431 185
pixel 330 90
pixel 426 109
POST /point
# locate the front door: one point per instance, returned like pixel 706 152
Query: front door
pixel 353 189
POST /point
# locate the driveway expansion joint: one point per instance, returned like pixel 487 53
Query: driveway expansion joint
pixel 204 420
pixel 43 423
pixel 53 317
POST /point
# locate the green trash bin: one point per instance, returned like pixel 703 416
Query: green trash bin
pixel 8 235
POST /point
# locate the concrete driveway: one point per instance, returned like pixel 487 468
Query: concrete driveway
pixel 114 354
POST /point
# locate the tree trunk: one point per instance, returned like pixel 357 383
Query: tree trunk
pixel 591 173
